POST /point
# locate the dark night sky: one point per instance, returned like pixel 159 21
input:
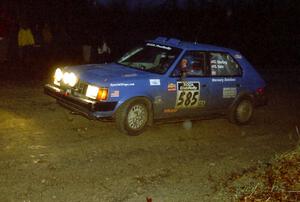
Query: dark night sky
pixel 144 3
pixel 264 30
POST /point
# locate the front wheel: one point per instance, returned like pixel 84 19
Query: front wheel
pixel 133 117
pixel 242 111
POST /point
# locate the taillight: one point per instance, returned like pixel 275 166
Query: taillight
pixel 260 91
pixel 102 94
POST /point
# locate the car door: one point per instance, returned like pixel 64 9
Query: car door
pixel 226 79
pixel 187 91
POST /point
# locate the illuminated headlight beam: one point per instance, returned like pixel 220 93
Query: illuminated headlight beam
pixel 97 93
pixel 70 78
pixel 58 76
pixel 92 91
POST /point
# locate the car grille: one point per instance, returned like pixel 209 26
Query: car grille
pixel 81 87
pixel 78 90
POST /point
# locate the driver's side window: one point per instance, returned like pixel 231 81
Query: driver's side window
pixel 193 64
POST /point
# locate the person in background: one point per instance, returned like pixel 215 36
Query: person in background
pixel 87 47
pixel 103 52
pixel 3 36
pixel 37 35
pixel 62 43
pixel 47 41
pixel 37 52
pixel 47 35
pixel 25 43
pixel 12 49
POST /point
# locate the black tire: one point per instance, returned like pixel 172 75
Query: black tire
pixel 133 117
pixel 242 111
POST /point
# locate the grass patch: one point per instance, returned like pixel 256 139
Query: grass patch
pixel 278 180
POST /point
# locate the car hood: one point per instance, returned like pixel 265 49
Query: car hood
pixel 107 73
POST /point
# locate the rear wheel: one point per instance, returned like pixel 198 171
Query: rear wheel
pixel 133 117
pixel 242 111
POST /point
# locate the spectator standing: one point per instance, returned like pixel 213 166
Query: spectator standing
pixel 12 49
pixel 47 41
pixel 86 53
pixel 3 36
pixel 87 47
pixel 37 53
pixel 103 52
pixel 47 35
pixel 37 35
pixel 62 43
pixel 25 43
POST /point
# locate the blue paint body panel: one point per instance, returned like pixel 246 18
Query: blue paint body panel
pixel 171 95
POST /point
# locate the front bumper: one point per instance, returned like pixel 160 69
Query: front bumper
pixel 89 109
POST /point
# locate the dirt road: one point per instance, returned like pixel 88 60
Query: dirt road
pixel 46 154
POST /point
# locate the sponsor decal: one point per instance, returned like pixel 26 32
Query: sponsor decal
pixel 229 92
pixel 219 62
pixel 130 75
pixel 170 110
pixel 158 100
pixel 115 93
pixel 217 80
pixel 229 79
pixel 223 80
pixel 238 56
pixel 121 84
pixel 154 82
pixel 159 46
pixel 188 94
pixel 171 87
pixel 217 66
pixel 201 103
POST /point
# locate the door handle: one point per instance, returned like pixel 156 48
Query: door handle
pixel 203 85
pixel 238 85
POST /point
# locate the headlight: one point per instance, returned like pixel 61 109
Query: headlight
pixel 92 91
pixel 95 92
pixel 73 79
pixel 58 75
pixel 70 78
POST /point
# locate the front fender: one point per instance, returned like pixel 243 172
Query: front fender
pixel 146 98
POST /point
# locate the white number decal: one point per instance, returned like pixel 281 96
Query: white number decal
pixel 188 94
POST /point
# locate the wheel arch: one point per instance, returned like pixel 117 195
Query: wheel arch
pixel 231 111
pixel 242 95
pixel 146 99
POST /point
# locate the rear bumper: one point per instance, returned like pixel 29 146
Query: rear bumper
pixel 89 109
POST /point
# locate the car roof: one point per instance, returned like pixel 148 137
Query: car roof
pixel 173 42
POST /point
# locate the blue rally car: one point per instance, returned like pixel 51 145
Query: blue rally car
pixel 162 79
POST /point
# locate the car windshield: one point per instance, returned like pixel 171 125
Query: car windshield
pixel 151 57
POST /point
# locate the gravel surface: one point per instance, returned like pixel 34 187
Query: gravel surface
pixel 47 154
